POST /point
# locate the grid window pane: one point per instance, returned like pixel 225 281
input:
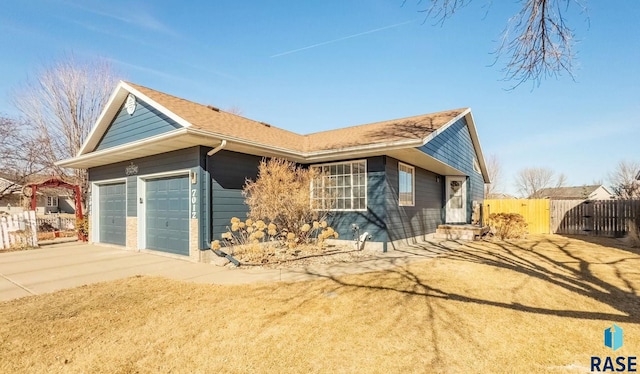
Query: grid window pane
pixel 342 186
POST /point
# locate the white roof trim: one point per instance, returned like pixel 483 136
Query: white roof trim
pixel 471 126
pixel 442 128
pixel 156 105
pixel 109 112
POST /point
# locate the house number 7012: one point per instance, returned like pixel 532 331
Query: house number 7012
pixel 194 201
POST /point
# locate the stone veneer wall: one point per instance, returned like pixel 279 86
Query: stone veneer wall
pixel 132 233
pixel 194 248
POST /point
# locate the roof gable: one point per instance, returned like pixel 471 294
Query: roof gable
pixel 145 121
pixel 573 192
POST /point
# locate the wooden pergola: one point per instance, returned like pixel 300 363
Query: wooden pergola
pixel 59 183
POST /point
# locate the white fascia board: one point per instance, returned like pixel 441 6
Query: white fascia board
pixel 157 106
pixel 471 125
pixel 359 151
pixel 110 110
pixel 246 143
pixel 445 126
pixel 113 105
pixel 120 149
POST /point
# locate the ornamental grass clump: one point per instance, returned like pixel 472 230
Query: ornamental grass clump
pixel 508 225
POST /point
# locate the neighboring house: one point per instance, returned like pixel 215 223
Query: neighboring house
pixel 595 192
pixel 167 174
pixel 48 201
pixel 500 196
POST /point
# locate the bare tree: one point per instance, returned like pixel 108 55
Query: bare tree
pixel 530 181
pixel 19 157
pixel 61 104
pixel 537 38
pixel 624 180
pixel 234 109
pixel 494 168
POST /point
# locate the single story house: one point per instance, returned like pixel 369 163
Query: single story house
pixel 167 174
pixel 48 201
pixel 593 192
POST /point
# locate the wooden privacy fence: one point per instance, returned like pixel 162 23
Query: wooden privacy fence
pixel 534 211
pixel 570 217
pixel 598 217
pixel 18 230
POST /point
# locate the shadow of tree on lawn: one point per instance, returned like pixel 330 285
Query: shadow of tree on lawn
pixel 557 262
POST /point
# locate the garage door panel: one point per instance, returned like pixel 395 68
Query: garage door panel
pixel 111 214
pixel 167 214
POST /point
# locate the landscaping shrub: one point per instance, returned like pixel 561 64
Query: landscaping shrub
pixel 633 236
pixel 82 225
pixel 508 225
pixel 282 195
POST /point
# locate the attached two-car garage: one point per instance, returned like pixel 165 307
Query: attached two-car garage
pixel 163 222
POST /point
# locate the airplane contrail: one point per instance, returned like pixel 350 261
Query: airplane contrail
pixel 340 39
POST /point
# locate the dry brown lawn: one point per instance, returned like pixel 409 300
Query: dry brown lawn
pixel 538 305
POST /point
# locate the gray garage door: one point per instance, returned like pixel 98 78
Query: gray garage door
pixel 111 213
pixel 167 214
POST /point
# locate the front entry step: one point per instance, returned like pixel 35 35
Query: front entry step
pixel 460 232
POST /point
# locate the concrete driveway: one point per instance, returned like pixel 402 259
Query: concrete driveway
pixel 68 265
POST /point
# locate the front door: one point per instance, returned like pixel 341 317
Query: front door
pixel 456 195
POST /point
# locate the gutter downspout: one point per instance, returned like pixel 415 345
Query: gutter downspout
pixel 212 152
pixel 217 149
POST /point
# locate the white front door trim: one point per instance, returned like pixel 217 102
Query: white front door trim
pixel 456 199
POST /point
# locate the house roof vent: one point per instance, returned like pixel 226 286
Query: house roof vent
pixel 213 108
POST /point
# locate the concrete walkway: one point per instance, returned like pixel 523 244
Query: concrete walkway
pixel 69 265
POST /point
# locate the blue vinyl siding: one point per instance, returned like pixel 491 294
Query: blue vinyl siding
pixel 373 220
pixel 427 213
pixel 187 158
pixel 454 147
pixel 229 171
pixel 145 122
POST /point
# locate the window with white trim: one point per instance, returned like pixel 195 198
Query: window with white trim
pixel 52 201
pixel 406 184
pixel 341 186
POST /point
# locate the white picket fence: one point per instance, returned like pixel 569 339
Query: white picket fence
pixel 18 229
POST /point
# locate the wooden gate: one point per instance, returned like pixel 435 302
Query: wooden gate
pixel 534 211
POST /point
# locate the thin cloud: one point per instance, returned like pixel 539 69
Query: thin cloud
pixel 149 70
pixel 341 39
pixel 138 18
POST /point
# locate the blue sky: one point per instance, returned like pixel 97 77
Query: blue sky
pixel 309 66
